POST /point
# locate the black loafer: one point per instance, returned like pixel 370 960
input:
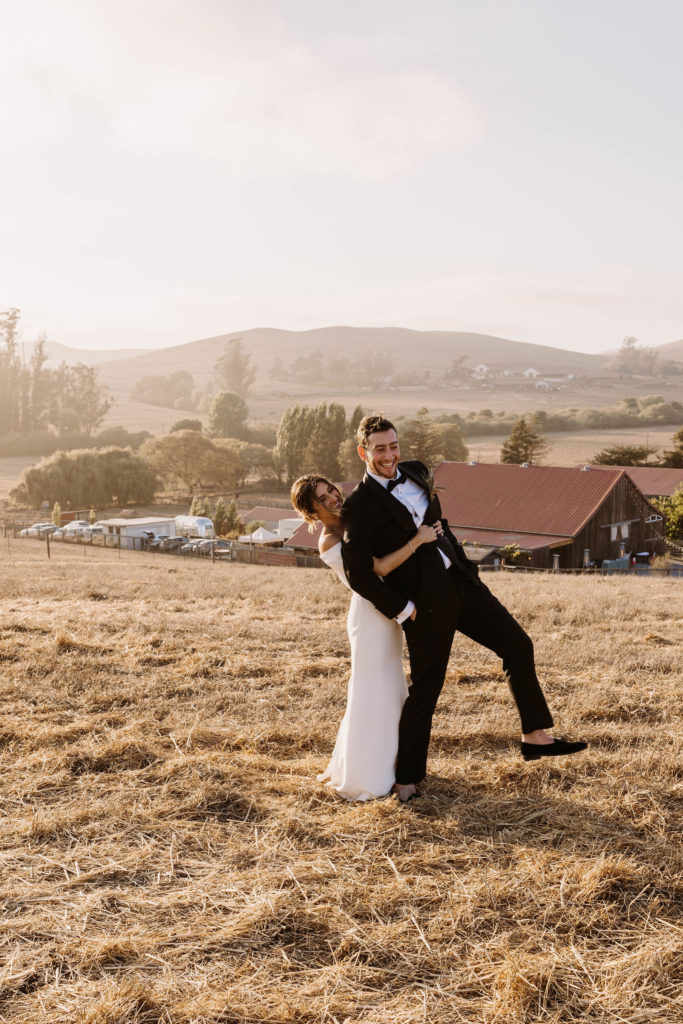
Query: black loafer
pixel 534 751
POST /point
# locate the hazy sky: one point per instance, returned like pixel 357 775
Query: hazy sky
pixel 174 169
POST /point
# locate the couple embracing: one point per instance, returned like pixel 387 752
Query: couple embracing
pixel 390 544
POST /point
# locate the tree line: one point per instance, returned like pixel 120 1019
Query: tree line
pixel 646 411
pixel 34 398
pixel 234 372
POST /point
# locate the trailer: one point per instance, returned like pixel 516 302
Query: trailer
pixel 195 526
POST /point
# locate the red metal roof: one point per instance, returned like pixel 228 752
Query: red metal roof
pixel 501 538
pixel 653 481
pixel 305 538
pixel 553 501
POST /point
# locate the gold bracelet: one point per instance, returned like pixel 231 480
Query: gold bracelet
pixel 411 547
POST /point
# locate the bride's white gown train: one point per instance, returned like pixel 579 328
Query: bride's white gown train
pixel 363 762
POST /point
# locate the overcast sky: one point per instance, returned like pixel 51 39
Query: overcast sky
pixel 174 169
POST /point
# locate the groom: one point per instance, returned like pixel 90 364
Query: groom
pixel 434 593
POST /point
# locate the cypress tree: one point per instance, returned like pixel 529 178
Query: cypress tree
pixel 525 444
pixel 220 518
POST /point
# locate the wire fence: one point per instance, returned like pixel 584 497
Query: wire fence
pixel 255 554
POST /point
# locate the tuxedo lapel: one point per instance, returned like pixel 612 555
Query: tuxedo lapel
pixel 391 504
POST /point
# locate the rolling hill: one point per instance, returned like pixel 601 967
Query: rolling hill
pixel 408 350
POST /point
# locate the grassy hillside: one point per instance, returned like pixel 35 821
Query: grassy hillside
pixel 409 349
pixel 169 858
pixel 672 350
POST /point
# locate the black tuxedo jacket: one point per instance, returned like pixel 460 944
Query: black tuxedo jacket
pixel 376 523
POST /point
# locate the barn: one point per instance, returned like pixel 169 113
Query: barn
pixel 652 481
pixel 581 516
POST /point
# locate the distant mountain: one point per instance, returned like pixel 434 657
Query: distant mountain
pixel 57 353
pixel 671 350
pixel 409 350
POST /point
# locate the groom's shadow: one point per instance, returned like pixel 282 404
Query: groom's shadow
pixel 529 804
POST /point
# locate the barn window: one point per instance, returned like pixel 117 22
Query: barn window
pixel 624 530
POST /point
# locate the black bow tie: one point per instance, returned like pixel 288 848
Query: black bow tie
pixel 400 479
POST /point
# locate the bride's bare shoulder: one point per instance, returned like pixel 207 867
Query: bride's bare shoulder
pixel 327 541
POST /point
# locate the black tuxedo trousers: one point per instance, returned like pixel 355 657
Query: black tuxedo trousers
pixel 473 610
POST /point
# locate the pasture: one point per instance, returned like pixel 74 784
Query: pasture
pixel 169 858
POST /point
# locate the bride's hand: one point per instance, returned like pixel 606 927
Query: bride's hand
pixel 425 535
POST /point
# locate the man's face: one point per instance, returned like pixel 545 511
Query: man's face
pixel 382 454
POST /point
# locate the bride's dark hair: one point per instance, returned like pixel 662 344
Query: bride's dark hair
pixel 304 499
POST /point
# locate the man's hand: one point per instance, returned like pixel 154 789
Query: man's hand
pixel 413 614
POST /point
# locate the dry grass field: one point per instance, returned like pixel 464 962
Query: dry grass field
pixel 11 468
pixel 578 448
pixel 169 858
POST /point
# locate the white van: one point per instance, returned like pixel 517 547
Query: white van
pixel 195 526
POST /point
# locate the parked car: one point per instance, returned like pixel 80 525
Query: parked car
pixel 172 543
pixel 191 547
pixel 93 532
pixel 220 547
pixel 72 531
pixel 37 530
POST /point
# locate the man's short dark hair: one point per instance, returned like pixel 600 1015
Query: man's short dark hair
pixel 372 425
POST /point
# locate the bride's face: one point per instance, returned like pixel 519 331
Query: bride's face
pixel 327 495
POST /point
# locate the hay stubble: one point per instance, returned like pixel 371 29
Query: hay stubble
pixel 167 855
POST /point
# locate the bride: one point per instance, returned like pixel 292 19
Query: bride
pixel 364 757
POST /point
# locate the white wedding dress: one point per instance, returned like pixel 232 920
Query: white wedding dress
pixel 363 762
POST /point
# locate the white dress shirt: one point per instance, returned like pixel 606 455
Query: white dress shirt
pixel 413 496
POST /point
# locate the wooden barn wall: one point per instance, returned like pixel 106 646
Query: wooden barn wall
pixel 622 503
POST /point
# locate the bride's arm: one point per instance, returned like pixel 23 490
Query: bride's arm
pixel 425 535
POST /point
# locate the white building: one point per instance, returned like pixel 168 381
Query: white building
pixel 286 528
pixel 132 532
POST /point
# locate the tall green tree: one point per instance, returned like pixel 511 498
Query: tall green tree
pixel 458 372
pixel 87 478
pixel 221 466
pixel 350 465
pixel 235 368
pixel 419 439
pixel 175 391
pixel 673 458
pixel 220 518
pixel 10 373
pixel 40 386
pixel 233 525
pixel 526 443
pixel 187 424
pixel 449 439
pixel 672 510
pixel 178 457
pixel 293 435
pixel 228 415
pixel 354 421
pixel 625 455
pixel 129 478
pixel 77 400
pixel 328 428
pixel 255 458
pixel 635 358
